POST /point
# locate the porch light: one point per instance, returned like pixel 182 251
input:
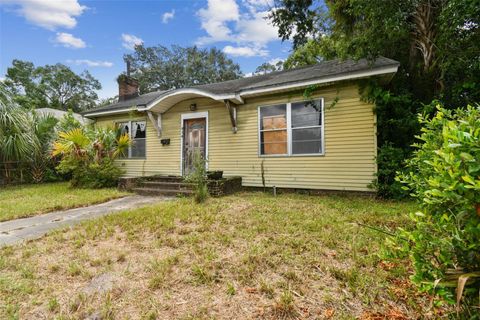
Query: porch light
pixel 193 107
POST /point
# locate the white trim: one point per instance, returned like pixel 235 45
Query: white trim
pixel 110 112
pixel 289 153
pixel 292 86
pixel 203 93
pixel 187 116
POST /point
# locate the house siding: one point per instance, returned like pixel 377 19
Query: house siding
pixel 350 143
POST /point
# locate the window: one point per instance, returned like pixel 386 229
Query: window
pixel 137 132
pixel 292 128
pixel 273 130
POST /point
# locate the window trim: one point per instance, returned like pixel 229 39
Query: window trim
pixel 289 130
pixel 129 151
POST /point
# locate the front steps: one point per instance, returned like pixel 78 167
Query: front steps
pixel 163 186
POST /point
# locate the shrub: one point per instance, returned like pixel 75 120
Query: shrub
pixel 390 160
pixel 87 155
pixel 444 177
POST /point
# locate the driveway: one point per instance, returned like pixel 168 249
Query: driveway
pixel 16 231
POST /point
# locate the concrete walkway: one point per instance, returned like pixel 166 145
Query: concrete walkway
pixel 16 231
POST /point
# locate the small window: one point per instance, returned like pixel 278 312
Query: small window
pixel 291 129
pixel 137 131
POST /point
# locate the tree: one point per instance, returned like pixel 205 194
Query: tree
pixel 268 67
pixel 435 41
pixel 25 138
pixel 161 68
pixel 55 86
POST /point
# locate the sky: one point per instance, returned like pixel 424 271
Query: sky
pixel 94 35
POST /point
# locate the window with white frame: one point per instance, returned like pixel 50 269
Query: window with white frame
pixel 137 131
pixel 291 129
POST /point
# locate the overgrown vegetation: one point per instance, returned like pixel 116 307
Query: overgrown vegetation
pixel 198 177
pixel 25 141
pixel 29 200
pixel 249 255
pixel 87 156
pixel 444 176
pixel 435 41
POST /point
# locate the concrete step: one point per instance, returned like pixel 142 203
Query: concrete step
pixel 164 178
pixel 166 185
pixel 161 192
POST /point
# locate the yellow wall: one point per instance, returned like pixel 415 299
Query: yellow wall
pixel 350 144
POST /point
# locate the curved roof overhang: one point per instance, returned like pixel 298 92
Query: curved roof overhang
pixel 165 102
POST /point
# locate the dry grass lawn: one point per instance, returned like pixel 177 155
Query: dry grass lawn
pixel 248 256
pixel 29 200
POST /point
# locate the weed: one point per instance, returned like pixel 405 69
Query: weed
pixel 53 305
pixel 231 291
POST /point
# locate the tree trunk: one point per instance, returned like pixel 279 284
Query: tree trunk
pixel 424 32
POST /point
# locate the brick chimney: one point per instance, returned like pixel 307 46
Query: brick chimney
pixel 127 86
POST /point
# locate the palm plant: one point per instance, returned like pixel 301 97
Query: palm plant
pixel 17 139
pixel 88 154
pixel 74 143
pixel 99 143
pixel 44 130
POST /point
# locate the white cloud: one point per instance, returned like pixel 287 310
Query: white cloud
pixel 69 41
pixel 249 30
pixel 245 51
pixel 49 14
pixel 214 20
pixel 256 29
pixel 167 16
pixel 91 63
pixel 130 41
pixel 274 61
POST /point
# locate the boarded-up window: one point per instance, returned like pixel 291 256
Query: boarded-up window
pixel 273 130
pixel 292 128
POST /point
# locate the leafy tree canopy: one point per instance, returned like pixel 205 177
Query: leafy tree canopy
pixel 54 86
pixel 268 67
pixel 436 41
pixel 162 68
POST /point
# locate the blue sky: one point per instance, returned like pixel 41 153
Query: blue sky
pixel 94 35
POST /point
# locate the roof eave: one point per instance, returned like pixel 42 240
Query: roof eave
pixel 238 97
pixel 325 80
pixel 96 114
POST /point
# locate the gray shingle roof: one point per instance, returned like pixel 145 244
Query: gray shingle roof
pixel 271 80
pixel 141 100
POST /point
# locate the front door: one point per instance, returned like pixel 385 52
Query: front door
pixel 194 140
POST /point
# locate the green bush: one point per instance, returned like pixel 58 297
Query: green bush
pixel 444 176
pixel 96 175
pixel 87 156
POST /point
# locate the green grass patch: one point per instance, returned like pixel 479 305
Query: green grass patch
pixel 29 200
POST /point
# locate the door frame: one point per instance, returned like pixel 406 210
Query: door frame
pixel 188 116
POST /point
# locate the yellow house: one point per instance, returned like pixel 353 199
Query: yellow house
pixel 305 128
